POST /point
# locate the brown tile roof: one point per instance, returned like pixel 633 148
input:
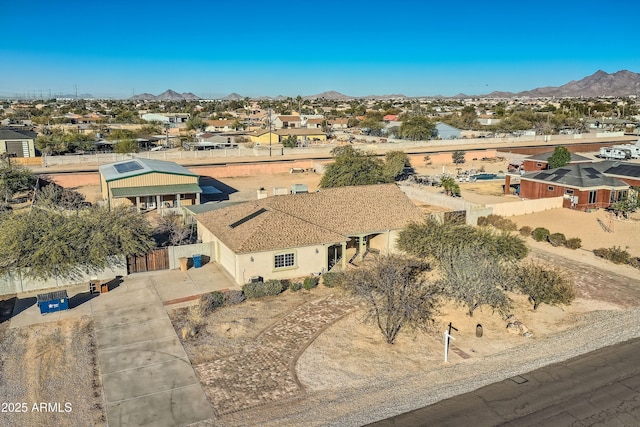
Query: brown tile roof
pixel 219 122
pixel 315 121
pixel 289 118
pixel 327 216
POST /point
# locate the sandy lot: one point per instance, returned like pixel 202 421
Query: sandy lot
pixel 53 364
pixel 624 233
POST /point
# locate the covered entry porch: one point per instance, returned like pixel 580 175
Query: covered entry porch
pixel 159 197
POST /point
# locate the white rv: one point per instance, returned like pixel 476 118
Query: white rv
pixel 613 153
pixel 632 149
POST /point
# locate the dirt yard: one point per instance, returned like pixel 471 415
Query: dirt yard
pixel 50 371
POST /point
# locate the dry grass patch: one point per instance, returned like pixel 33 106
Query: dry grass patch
pixel 229 329
pixel 52 363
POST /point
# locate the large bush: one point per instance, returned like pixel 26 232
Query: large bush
pixel 209 302
pixel 497 221
pixel 295 286
pixel 614 254
pixel 332 280
pixel 573 243
pixel 557 239
pixel 262 289
pixel 525 231
pixel 540 234
pixel 233 297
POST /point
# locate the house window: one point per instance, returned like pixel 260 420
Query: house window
pixel 550 188
pixel 539 165
pixel 612 196
pixel 568 191
pixel 592 197
pixel 284 260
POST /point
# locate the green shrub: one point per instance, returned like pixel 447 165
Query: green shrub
pixel 525 231
pixel 310 283
pixel 614 254
pixel 557 239
pixel 233 297
pixel 635 262
pixel 295 286
pixel 262 289
pixel 332 280
pixel 499 222
pixel 540 234
pixel 209 302
pixel 574 243
pixel 483 221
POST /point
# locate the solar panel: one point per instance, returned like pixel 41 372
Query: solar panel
pixel 128 167
pixel 248 218
pixel 625 170
pixel 542 176
pixel 561 172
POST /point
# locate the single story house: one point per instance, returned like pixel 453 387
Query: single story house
pixel 583 186
pixel 149 184
pixel 220 125
pixel 540 162
pixel 17 143
pixel 296 235
pixel 264 137
pixel 302 134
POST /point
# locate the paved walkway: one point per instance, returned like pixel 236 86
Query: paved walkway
pixel 265 371
pixel 146 374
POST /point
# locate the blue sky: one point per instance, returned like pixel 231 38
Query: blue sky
pixel 213 48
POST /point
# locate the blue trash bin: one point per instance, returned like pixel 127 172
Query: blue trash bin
pixel 197 261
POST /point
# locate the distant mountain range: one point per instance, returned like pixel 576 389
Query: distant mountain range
pixel 601 83
pixel 167 95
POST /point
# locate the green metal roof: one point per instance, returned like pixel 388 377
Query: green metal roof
pixel 156 190
pixel 141 166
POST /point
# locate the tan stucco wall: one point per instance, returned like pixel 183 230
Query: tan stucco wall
pixel 153 179
pixel 307 262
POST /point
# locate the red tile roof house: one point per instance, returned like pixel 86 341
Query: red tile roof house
pixel 296 235
pixel 583 186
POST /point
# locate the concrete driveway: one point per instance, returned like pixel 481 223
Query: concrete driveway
pixel 147 377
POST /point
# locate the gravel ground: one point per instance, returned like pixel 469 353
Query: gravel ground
pixel 52 364
pixel 378 400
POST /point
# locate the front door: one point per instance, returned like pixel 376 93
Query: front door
pixel 334 255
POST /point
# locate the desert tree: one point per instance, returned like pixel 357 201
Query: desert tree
pixel 45 243
pixel 394 164
pixel 474 278
pixel 352 167
pixel 417 128
pixel 543 285
pixel 52 196
pixel 433 238
pixel 457 157
pixel 560 157
pixel 396 293
pixel 173 226
pixel 14 179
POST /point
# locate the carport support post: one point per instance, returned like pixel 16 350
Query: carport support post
pixel 138 203
pixel 344 255
pixel 363 247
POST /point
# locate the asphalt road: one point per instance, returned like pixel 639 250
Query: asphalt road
pixel 600 388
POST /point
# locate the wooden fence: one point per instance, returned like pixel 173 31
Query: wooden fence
pixel 157 259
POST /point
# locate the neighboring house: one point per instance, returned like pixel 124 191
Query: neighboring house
pixel 314 123
pixel 339 124
pixel 296 235
pixel 264 137
pixel 219 125
pixel 540 162
pixel 444 131
pixel 287 122
pixel 17 143
pixel 174 118
pixel 583 186
pixel 148 184
pixel 303 134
